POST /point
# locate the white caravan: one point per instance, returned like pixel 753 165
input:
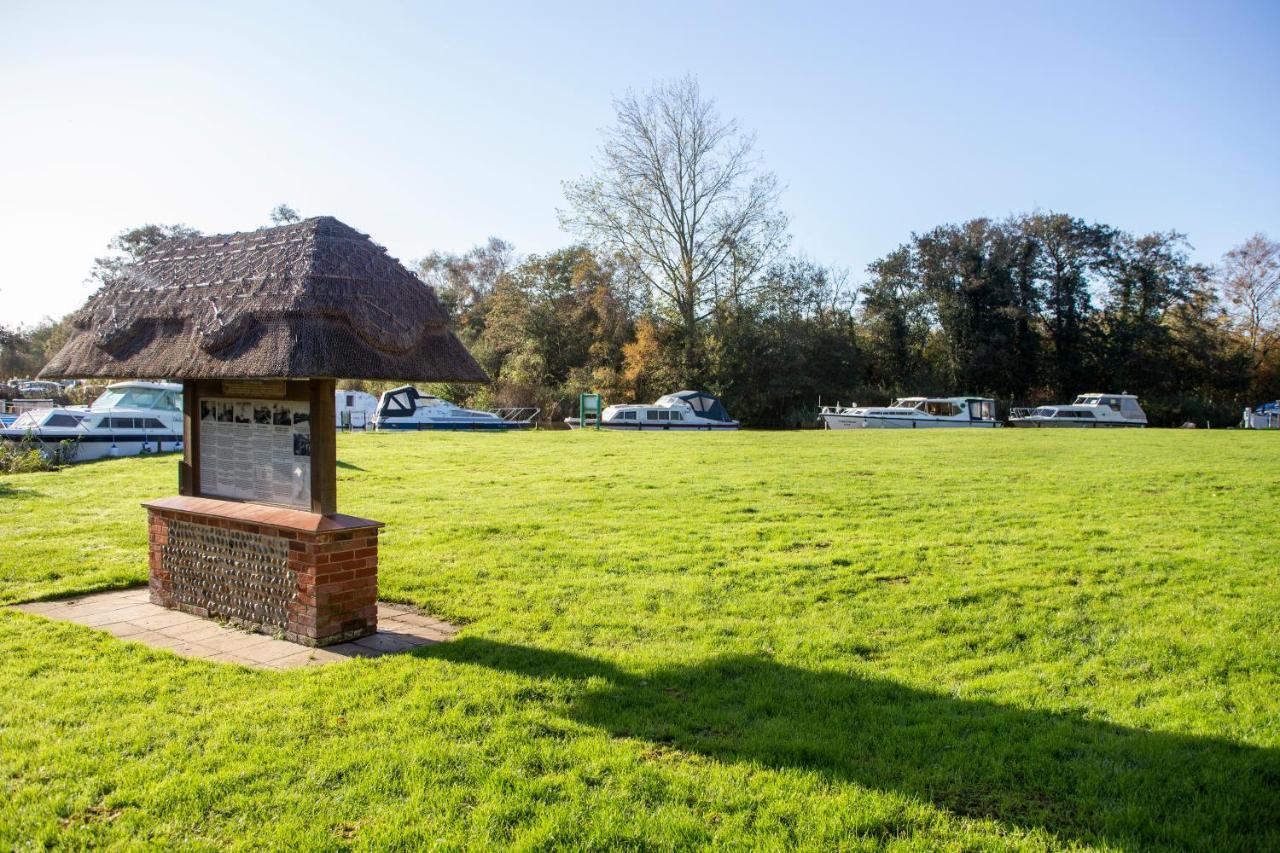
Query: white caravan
pixel 1089 411
pixel 914 413
pixel 354 409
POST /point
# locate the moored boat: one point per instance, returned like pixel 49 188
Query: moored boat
pixel 914 413
pixel 127 419
pixel 1089 411
pixel 1266 416
pixel 406 408
pixel 682 411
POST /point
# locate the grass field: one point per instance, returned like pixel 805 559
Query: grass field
pixel 968 639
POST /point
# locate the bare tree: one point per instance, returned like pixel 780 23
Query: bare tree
pixel 1249 279
pixel 679 194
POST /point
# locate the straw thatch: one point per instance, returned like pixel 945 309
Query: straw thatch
pixel 314 299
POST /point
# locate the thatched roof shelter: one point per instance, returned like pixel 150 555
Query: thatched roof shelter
pixel 314 299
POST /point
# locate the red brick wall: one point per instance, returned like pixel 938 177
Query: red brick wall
pixel 316 588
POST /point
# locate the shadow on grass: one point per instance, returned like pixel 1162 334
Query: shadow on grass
pixel 349 466
pixel 1081 779
pixel 8 490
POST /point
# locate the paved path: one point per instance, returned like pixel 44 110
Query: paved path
pixel 129 615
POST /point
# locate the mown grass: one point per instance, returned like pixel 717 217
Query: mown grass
pixel 829 640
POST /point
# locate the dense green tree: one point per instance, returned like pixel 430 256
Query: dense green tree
pixel 1145 277
pixel 1070 251
pixel 24 350
pixel 895 324
pixel 976 279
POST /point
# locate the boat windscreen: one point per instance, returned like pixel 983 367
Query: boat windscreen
pixel 132 398
pixel 398 403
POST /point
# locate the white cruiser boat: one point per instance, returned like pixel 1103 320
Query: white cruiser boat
pixel 129 418
pixel 683 410
pixel 914 413
pixel 1088 411
pixel 405 408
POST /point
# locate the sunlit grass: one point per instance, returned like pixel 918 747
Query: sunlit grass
pixel 946 639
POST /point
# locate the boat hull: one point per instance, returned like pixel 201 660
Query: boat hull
pixel 1063 423
pixel 473 426
pixel 90 447
pixel 891 422
pixel 573 423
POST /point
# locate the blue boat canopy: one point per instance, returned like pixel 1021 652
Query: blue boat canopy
pixel 704 404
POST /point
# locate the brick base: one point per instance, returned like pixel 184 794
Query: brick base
pixel 312 579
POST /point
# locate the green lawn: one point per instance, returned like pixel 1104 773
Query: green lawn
pixel 951 639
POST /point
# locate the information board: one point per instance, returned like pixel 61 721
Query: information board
pixel 256 450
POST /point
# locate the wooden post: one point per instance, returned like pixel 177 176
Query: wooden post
pixel 189 468
pixel 324 448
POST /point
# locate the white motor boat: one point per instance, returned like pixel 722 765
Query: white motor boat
pixel 127 419
pixel 681 411
pixel 1088 411
pixel 354 409
pixel 914 413
pixel 405 408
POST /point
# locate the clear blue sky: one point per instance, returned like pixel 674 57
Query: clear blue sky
pixel 433 126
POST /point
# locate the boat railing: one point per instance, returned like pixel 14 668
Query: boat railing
pixel 837 409
pixel 518 414
pixel 17 407
pixel 1020 412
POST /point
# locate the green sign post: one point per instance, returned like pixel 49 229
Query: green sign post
pixel 589 405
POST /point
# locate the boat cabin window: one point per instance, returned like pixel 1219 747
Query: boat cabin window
pixel 650 415
pixel 941 408
pixel 629 416
pixel 662 416
pixel 62 421
pixel 1112 402
pixel 676 416
pixel 130 423
pixel 351 400
pixel 982 410
pixel 1130 408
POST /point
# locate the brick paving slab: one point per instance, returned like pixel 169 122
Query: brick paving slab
pixel 130 616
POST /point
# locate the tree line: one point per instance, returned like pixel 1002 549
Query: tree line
pixel 681 275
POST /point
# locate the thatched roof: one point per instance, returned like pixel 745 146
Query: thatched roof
pixel 313 299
